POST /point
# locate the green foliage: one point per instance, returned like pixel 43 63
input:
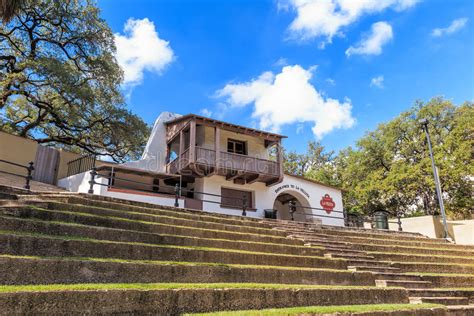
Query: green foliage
pixel 390 167
pixel 60 82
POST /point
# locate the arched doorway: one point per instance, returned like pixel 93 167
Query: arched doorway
pixel 281 205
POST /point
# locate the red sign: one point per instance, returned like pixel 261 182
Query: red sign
pixel 327 203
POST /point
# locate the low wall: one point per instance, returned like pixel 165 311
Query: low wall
pixel 462 232
pixel 80 183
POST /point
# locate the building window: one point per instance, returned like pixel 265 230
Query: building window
pixel 234 198
pixel 236 147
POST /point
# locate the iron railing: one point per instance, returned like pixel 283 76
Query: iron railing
pixel 29 171
pixel 80 165
pixel 177 191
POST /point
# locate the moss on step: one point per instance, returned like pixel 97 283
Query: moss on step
pixel 326 309
pixel 181 263
pixel 151 215
pixel 62 223
pixel 98 241
pixel 173 286
pixel 416 255
pixel 153 223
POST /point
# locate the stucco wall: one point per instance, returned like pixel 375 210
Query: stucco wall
pixel 16 149
pixel 80 183
pixel 309 193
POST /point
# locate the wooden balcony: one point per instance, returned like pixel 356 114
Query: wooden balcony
pixel 241 169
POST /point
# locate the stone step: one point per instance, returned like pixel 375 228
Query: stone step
pixel 373 268
pixel 132 206
pixel 424 258
pixel 157 299
pixel 54 246
pixel 347 256
pixel 461 310
pixel 135 225
pixel 434 267
pixel 169 219
pixel 113 234
pixel 386 234
pixel 372 263
pixel 73 270
pixel 450 300
pixel 336 249
pixel 360 242
pixel 437 292
pixel 397 276
pixel 403 283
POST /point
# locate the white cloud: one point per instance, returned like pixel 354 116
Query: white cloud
pixel 455 26
pixel 286 98
pixel 331 81
pixel 140 49
pixel 327 18
pixel 380 34
pixel 205 112
pixel 377 82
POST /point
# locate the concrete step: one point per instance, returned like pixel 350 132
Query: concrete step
pixel 73 270
pixel 437 292
pixel 113 234
pixel 450 300
pixel 372 263
pixel 169 299
pixel 132 206
pixel 373 268
pixel 136 225
pixel 424 258
pixel 397 276
pixel 348 256
pixel 434 267
pixel 403 283
pixel 44 246
pixel 169 219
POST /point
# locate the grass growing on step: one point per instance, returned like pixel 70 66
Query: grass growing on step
pixel 158 216
pixel 62 223
pixel 440 274
pixel 417 255
pixel 325 309
pixel 172 286
pixel 195 248
pixel 181 263
pixel 277 238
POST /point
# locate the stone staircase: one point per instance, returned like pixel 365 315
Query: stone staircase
pixel 351 244
pixel 81 254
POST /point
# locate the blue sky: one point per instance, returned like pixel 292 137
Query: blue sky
pixel 307 70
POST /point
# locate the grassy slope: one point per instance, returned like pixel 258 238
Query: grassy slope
pixel 172 286
pixel 326 309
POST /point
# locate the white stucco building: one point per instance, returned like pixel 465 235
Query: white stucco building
pixel 218 167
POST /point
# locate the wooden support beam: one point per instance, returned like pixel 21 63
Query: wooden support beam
pixel 233 175
pixel 192 141
pixel 253 178
pixel 217 148
pixel 181 149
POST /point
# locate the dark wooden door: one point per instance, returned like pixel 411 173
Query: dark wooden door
pixel 46 165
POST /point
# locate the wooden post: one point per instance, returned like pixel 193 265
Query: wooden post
pixel 280 158
pixel 217 147
pixel 181 150
pixel 192 141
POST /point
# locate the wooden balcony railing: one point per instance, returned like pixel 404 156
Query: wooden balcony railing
pixel 227 161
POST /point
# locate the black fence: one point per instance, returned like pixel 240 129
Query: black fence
pixel 81 164
pixel 177 191
pixel 350 219
pixel 29 170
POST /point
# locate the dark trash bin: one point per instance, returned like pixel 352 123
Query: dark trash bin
pixel 270 214
pixel 381 219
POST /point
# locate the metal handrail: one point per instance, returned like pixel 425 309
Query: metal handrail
pixel 29 170
pixel 178 190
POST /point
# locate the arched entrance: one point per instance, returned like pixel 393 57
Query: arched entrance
pixel 281 205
